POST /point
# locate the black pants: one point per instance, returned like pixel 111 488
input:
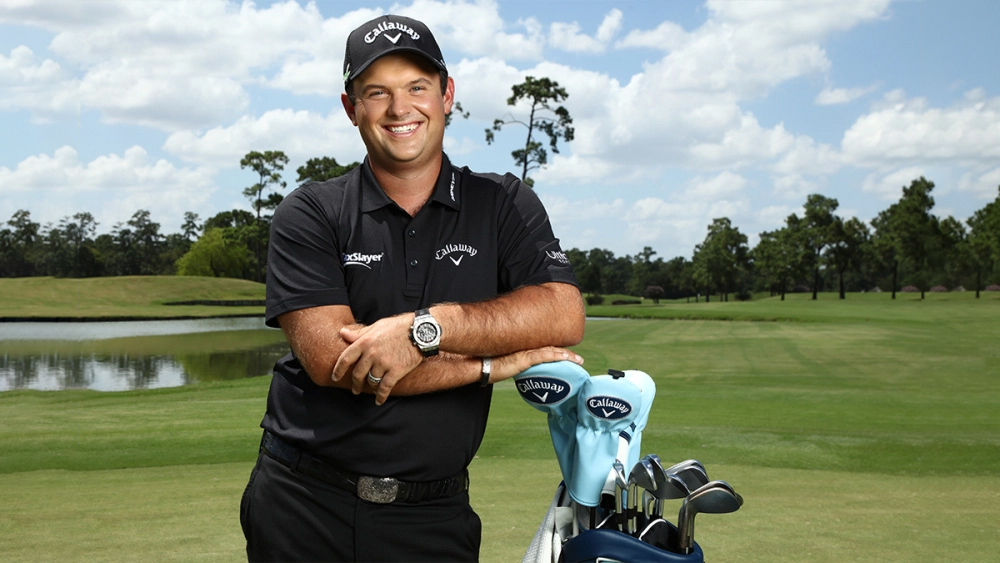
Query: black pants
pixel 287 516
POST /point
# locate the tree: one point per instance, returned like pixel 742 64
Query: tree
pixel 984 240
pixel 554 122
pixel 654 292
pixel 456 108
pixel 135 246
pixel 268 166
pixel 215 255
pixel 776 260
pixel 909 235
pixel 191 228
pixel 240 230
pixel 234 218
pixel 845 246
pixel 324 168
pixel 954 253
pixel 722 258
pixel 18 246
pixel 819 220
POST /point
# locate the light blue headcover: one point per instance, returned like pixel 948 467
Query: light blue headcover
pixel 552 388
pixel 645 384
pixel 605 407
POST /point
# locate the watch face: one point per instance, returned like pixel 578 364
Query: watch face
pixel 426 333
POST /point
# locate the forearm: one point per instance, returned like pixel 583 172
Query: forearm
pixel 314 336
pixel 530 317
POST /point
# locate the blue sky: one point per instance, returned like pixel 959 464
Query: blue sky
pixel 684 111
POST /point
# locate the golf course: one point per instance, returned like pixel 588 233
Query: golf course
pixel 865 429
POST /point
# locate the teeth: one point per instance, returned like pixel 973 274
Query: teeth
pixel 403 128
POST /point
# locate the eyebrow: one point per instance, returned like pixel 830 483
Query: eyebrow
pixel 414 82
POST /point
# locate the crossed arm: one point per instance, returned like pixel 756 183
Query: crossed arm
pixel 528 326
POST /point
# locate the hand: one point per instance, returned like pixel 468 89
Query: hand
pixel 382 349
pixel 505 367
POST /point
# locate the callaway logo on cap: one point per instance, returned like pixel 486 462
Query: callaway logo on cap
pixel 388 34
pixel 543 390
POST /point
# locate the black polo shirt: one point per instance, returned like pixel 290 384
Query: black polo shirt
pixel 345 242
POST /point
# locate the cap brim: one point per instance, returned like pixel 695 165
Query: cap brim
pixel 434 62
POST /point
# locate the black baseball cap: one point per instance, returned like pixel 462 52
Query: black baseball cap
pixel 388 34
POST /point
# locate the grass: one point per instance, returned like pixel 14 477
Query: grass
pixel 858 429
pixel 137 297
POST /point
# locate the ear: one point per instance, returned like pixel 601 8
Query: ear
pixel 349 108
pixel 449 95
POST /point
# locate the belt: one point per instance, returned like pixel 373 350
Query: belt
pixel 380 490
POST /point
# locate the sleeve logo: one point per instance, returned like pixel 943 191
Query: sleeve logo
pixel 557 256
pixel 359 259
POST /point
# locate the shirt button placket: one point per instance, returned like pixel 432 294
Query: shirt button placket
pixel 415 274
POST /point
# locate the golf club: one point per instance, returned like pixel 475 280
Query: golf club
pixel 621 485
pixel 640 476
pixel 716 497
pixel 669 487
pixel 691 471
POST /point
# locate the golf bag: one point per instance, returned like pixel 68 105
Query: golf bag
pixel 557 540
pixel 597 513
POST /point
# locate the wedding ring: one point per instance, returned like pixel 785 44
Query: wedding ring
pixel 374 380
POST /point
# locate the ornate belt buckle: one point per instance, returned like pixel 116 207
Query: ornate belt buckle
pixel 380 490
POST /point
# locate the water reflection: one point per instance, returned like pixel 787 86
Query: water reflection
pixel 162 357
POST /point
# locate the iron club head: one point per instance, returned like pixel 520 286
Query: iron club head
pixel 716 497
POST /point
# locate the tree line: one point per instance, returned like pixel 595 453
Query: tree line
pixel 904 246
pixel 230 244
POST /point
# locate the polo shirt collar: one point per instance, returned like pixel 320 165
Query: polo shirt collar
pixel 446 190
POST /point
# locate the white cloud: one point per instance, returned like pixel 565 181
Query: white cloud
pixel 835 96
pixel 981 185
pixel 476 29
pixel 794 186
pixel 112 187
pixel 724 185
pixel 889 187
pixel 41 87
pixel 667 37
pixel 567 36
pixel 301 135
pixel 610 26
pixel 901 131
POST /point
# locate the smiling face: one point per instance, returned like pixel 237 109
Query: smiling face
pixel 400 110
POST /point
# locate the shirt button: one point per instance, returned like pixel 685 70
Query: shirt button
pixel 411 233
pixel 413 263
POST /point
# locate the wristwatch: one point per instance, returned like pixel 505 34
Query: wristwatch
pixel 425 333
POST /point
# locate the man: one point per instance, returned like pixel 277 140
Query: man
pixel 405 289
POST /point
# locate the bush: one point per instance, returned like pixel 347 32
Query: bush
pixel 654 292
pixel 993 287
pixel 801 289
pixel 939 289
pixel 910 289
pixel 595 299
pixel 744 295
pixel 626 302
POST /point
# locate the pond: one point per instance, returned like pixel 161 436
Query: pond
pixel 120 356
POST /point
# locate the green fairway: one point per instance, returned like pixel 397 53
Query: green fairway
pixel 864 429
pixel 124 297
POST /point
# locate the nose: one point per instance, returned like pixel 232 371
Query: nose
pixel 398 107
